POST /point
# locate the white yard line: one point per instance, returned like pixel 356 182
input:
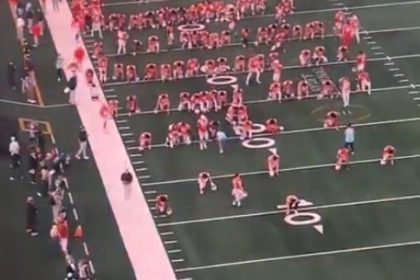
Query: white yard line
pixel 334 63
pixel 302 256
pixel 309 208
pixel 303 130
pixel 291 169
pixel 265 100
pixel 378 31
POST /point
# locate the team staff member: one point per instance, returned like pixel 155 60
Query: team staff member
pixel 15 158
pixel 82 144
pixel 349 138
pixel 31 217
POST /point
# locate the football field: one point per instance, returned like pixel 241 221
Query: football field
pixel 360 223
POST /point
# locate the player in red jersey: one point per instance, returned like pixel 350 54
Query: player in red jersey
pixel 145 141
pixel 355 25
pixel 238 191
pixel 184 101
pixel 246 130
pixel 204 179
pixel 305 58
pixel 272 126
pixel 327 89
pixel 345 88
pixel 340 18
pixel 162 104
pixel 274 92
pixel 277 68
pixel 162 205
pixel 165 72
pixel 343 157
pixel 132 105
pixel 297 32
pixel 388 155
pixel 331 120
pixel 273 165
pixel 118 72
pixel 113 107
pixel 347 34
pixel 364 83
pixel 202 129
pixel 360 62
pixel 342 53
pixel 103 68
pixel 302 89
pixel 254 68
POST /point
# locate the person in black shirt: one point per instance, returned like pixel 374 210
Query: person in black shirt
pixel 33 164
pixel 82 144
pixel 11 75
pixel 126 177
pixel 31 217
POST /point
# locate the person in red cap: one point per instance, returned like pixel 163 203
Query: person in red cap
pixel 79 55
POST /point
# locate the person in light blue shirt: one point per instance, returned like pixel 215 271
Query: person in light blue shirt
pixel 221 138
pixel 349 138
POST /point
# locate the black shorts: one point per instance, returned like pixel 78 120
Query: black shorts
pixel 294 205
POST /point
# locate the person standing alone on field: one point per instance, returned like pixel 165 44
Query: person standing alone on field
pixel 349 138
pixel 82 144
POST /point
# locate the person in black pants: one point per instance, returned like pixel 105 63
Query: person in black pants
pixel 11 75
pixel 31 217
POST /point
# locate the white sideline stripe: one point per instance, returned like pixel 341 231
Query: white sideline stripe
pixel 375 47
pixel 413 92
pixel 70 198
pixel 144 177
pixel 309 208
pixel 416 98
pixel 404 81
pixel 265 100
pixel 399 75
pixel 298 168
pixel 129 141
pixel 417 55
pixel 378 53
pixel 301 256
pixel 121 121
pixel 378 31
pixel 305 130
pixel 141 239
pixel 138 162
pixel 170 242
pixel 85 247
pixel 177 260
pixel 167 233
pixel 141 169
pixel 394 69
pixel 150 192
pixel 76 216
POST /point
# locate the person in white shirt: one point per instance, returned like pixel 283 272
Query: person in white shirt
pixel 15 158
pixel 221 138
pixel 349 138
pixel 20 25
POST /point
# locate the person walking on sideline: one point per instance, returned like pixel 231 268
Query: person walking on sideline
pixel 31 217
pixel 349 138
pixel 59 63
pixel 82 144
pixel 71 89
pixel 11 75
pixel 15 158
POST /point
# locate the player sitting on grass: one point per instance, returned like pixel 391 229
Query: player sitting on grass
pixel 162 205
pixel 145 141
pixel 273 164
pixel 238 191
pixel 205 179
pixel 272 126
pixel 343 158
pixel 331 120
pixel 364 83
pixel 388 155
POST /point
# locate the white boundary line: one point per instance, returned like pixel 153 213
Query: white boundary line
pixel 298 168
pixel 301 256
pixel 302 130
pixel 141 239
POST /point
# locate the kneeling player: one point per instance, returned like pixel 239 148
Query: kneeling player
pixel 145 141
pixel 292 204
pixel 204 179
pixel 331 120
pixel 272 126
pixel 162 205
pixel 273 165
pixel 388 155
pixel 343 157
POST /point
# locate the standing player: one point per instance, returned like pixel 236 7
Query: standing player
pixel 345 88
pixel 355 25
pixel 388 155
pixel 238 191
pixel 122 38
pixel 254 68
pixel 347 34
pixel 205 179
pixel 273 164
pixel 202 129
pixel 349 138
pixel 162 205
